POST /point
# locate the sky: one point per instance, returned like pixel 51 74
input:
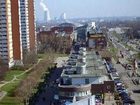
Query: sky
pixel 89 8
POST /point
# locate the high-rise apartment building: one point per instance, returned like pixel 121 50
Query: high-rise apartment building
pixel 32 34
pixel 24 17
pixel 17 30
pixel 6 42
pixel 27 18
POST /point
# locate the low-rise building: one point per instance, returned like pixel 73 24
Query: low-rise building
pixel 84 75
pixel 87 101
pixel 67 28
pixel 96 39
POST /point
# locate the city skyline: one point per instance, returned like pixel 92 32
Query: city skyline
pixel 89 8
pixel 82 52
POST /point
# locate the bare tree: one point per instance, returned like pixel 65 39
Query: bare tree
pixel 29 58
pixel 54 43
pixel 25 88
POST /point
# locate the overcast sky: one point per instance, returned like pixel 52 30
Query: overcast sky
pixel 89 8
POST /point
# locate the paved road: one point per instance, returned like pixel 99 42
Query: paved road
pixel 124 73
pixel 128 82
pixel 51 88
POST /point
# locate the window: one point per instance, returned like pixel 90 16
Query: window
pixel 87 81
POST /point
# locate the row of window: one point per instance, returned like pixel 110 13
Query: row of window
pixel 77 94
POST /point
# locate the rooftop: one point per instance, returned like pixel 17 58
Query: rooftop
pixel 93 66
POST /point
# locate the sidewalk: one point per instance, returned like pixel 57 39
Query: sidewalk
pixel 109 99
pixel 2 95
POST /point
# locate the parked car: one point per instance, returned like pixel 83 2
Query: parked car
pixel 128 101
pixel 122 89
pixel 113 70
pixel 138 64
pixel 129 67
pixel 124 95
pixel 119 84
pixel 98 100
pixel 117 81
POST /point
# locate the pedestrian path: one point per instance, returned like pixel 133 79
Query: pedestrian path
pixel 15 78
pixel 2 94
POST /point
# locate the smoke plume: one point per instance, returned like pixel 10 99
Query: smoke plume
pixel 45 8
pixel 43 5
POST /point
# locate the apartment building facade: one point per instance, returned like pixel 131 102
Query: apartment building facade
pixel 6 41
pixel 24 17
pixel 27 22
pixel 17 30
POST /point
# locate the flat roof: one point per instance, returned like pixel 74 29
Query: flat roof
pixel 94 67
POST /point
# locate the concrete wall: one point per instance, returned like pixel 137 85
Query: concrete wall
pixel 86 101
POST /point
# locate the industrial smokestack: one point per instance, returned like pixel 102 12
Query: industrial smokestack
pixel 46 11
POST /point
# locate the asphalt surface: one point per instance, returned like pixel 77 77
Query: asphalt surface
pixel 47 96
pixel 126 75
pixel 127 79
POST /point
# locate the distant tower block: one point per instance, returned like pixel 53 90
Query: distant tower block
pixel 46 16
pixel 63 16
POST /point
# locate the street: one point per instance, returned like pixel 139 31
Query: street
pixel 126 75
pixel 47 96
pixel 131 87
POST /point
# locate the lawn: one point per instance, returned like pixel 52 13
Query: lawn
pixel 10 87
pixel 46 55
pixel 113 51
pixel 11 73
pixel 10 101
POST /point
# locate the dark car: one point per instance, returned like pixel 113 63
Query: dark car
pixel 117 81
pixel 113 70
pixel 121 89
pixel 124 95
pixel 128 101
